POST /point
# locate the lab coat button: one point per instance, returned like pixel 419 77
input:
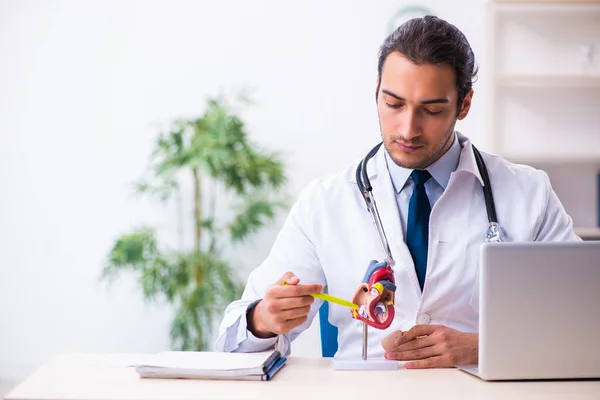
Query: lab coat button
pixel 423 319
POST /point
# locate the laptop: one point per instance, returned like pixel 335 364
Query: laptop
pixel 539 311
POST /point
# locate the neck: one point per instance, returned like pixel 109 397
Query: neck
pixel 447 145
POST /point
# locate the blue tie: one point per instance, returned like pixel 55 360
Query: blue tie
pixel 417 231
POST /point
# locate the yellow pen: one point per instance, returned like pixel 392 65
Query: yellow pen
pixel 331 299
pixel 336 300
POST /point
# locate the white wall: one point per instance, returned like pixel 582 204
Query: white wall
pixel 82 86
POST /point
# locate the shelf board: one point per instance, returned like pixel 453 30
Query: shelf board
pixel 547 1
pixel 547 7
pixel 540 81
pixel 543 2
pixel 533 159
pixel 588 233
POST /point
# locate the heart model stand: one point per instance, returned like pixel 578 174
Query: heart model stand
pixel 365 364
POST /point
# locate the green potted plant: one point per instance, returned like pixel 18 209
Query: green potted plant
pixel 215 153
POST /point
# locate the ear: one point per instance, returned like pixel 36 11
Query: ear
pixel 466 105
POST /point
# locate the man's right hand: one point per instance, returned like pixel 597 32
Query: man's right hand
pixel 283 308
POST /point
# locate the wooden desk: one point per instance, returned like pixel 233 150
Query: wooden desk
pixel 84 377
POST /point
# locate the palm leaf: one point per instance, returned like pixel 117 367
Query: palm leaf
pixel 131 251
pixel 201 283
pixel 255 212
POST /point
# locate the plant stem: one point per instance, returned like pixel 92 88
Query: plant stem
pixel 212 211
pixel 180 220
pixel 197 267
pixel 197 212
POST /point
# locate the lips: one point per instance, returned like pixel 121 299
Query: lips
pixel 408 148
pixel 375 297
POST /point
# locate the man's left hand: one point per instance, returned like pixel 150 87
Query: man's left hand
pixel 432 346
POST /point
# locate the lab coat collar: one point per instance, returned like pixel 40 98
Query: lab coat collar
pixel 378 164
pixel 467 161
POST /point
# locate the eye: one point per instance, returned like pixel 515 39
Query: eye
pixel 393 106
pixel 432 112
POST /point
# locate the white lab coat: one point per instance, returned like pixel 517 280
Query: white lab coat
pixel 329 238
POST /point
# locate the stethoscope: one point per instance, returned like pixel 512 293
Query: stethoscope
pixel 493 234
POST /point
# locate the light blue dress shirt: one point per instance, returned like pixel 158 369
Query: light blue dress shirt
pixel 440 172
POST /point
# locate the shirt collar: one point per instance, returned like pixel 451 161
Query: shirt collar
pixel 439 170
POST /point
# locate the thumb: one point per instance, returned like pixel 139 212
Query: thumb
pixel 289 278
pixel 390 342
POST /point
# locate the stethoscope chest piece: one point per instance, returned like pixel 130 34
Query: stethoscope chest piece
pixel 494 233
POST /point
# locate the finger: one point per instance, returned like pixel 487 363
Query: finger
pixel 294 302
pixel 419 343
pixel 433 362
pixel 289 278
pixel 418 354
pixel 286 326
pixel 289 315
pixel 282 292
pixel 415 332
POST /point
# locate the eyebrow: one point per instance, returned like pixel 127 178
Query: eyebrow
pixel 428 101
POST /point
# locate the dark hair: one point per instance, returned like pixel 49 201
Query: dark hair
pixel 431 40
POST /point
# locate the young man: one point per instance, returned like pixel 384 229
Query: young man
pixel 429 193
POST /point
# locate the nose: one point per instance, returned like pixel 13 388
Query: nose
pixel 409 127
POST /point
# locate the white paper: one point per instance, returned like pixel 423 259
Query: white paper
pixel 207 360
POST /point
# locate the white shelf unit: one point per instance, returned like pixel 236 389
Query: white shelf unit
pixel 543 94
pixel 543 89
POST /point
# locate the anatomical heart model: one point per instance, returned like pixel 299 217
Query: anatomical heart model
pixel 375 296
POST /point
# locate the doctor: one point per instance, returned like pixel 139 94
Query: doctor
pixel 424 179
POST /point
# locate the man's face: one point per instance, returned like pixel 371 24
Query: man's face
pixel 417 107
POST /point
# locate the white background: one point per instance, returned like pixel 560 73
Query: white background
pixel 83 86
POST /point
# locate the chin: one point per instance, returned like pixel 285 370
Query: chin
pixel 410 162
